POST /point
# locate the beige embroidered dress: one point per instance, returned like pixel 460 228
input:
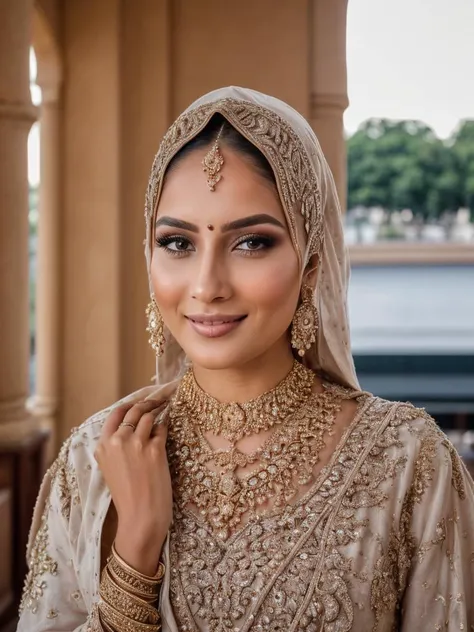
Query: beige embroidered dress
pixel 382 541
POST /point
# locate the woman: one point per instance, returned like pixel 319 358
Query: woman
pixel 299 502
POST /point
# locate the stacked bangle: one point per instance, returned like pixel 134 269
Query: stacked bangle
pixel 141 584
pixel 128 598
pixel 118 622
pixel 136 608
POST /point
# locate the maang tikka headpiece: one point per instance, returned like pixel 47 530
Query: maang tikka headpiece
pixel 213 162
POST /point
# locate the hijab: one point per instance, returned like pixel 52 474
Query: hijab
pixel 310 203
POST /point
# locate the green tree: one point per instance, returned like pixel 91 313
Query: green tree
pixel 402 164
pixel 462 144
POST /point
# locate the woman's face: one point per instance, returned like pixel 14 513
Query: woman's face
pixel 224 271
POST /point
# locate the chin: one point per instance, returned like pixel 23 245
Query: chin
pixel 217 361
pixel 218 357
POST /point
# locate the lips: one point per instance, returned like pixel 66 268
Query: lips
pixel 215 325
pixel 214 320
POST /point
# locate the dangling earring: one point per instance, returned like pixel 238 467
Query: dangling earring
pixel 305 322
pixel 155 328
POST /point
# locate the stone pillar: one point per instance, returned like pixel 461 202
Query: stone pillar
pixel 17 114
pixel 44 404
pixel 329 85
pixel 21 442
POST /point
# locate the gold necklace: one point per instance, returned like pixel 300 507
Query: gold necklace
pixel 284 462
pixel 235 420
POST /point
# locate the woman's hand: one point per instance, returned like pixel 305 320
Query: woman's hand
pixel 132 457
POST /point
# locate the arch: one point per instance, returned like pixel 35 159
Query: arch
pixel 45 41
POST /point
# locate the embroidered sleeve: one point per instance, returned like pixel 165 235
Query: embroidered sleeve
pixel 439 592
pixel 52 598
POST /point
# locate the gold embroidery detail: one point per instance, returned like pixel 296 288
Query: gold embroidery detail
pixel 457 473
pixel 391 569
pixel 40 562
pixel 439 539
pixel 289 568
pixel 292 568
pixel 278 142
pixel 93 620
pixel 390 574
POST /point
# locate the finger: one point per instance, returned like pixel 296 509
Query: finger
pixel 160 427
pixel 114 420
pixel 162 418
pixel 126 428
pixel 145 425
pixel 158 439
pixel 133 416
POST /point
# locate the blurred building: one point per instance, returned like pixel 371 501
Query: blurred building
pixel 113 75
pixel 413 337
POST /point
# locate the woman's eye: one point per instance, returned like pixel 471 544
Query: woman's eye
pixel 174 244
pixel 255 243
pixel 251 244
pixel 178 244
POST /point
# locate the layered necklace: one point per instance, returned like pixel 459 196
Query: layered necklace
pixel 284 461
pixel 234 421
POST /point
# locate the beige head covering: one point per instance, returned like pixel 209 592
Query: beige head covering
pixel 309 199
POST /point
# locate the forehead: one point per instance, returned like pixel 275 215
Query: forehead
pixel 241 191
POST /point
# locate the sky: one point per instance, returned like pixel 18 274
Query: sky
pixel 410 59
pixel 406 59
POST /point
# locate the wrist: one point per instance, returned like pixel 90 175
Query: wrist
pixel 144 533
pixel 140 549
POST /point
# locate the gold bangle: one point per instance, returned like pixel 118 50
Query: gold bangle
pixel 121 622
pixel 148 597
pixel 158 577
pixel 127 604
pixel 150 589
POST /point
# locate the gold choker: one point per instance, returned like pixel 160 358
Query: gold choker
pixel 232 420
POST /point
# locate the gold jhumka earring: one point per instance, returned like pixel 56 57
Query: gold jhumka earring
pixel 155 328
pixel 212 163
pixel 305 322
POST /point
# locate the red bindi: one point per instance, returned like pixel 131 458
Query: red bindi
pixel 210 227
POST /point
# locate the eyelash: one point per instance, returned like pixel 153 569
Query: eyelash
pixel 265 240
pixel 165 240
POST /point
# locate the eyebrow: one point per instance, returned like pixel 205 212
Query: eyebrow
pixel 176 223
pixel 252 220
pixel 245 222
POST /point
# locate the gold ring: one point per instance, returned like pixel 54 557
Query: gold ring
pixel 127 423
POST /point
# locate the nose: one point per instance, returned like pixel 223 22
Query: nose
pixel 210 280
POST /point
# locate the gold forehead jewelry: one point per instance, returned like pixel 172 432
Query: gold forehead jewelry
pixel 213 162
pixel 235 420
